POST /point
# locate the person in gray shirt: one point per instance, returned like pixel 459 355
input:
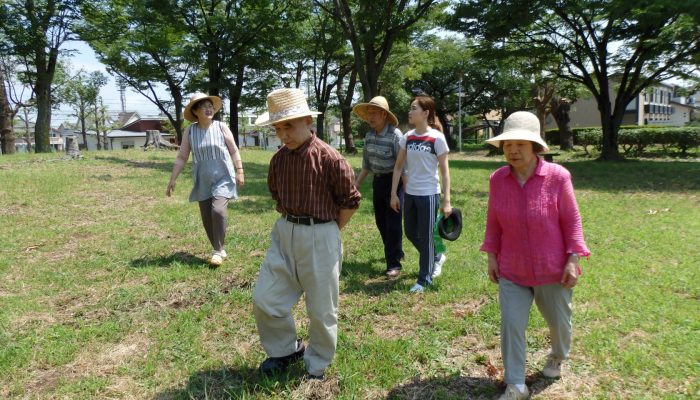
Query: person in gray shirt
pixel 378 157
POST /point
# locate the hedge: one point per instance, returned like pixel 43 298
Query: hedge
pixel 638 138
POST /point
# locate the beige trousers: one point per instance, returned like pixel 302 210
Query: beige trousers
pixel 301 259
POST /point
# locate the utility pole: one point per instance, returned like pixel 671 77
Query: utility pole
pixel 122 93
pixel 459 113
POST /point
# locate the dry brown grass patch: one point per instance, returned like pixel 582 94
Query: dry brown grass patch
pixel 103 362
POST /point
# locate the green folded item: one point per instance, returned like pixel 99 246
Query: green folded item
pixel 437 240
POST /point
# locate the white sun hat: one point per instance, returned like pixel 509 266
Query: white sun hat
pixel 521 125
pixel 283 105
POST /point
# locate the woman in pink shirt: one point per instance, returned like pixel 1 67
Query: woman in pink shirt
pixel 534 240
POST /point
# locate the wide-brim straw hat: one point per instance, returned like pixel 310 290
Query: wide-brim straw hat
pixel 196 98
pixel 521 125
pixel 285 104
pixel 379 102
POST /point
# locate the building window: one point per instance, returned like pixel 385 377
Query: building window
pixel 127 144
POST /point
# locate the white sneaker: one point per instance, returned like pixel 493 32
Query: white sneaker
pixel 512 393
pixel 437 266
pixel 552 369
pixel 223 254
pixel 417 288
pixel 216 259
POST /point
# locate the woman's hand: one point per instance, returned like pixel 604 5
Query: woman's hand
pixel 493 268
pixel 446 208
pixel 570 275
pixel 240 178
pixel 171 188
pixel 395 203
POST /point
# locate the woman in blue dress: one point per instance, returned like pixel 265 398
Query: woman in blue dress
pixel 215 157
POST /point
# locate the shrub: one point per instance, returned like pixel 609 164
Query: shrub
pixel 635 139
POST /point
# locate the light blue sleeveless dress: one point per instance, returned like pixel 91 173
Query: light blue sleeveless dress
pixel 212 167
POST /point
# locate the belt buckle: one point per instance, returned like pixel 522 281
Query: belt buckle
pixel 299 220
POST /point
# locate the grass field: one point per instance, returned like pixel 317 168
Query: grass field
pixel 105 291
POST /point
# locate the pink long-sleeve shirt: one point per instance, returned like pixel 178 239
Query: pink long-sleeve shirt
pixel 533 229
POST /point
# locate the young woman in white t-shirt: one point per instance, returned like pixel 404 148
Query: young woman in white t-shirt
pixel 424 150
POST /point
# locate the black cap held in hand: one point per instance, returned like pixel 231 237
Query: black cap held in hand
pixel 451 227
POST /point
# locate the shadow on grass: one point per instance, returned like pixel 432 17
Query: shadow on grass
pixel 158 165
pixel 180 257
pixel 254 190
pixel 237 383
pixel 636 175
pixel 622 176
pixel 456 386
pixel 363 277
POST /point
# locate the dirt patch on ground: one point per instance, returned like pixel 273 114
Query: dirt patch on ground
pixel 317 390
pixel 467 308
pixel 93 363
pixel 391 327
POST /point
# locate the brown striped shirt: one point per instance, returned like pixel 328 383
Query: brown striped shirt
pixel 312 180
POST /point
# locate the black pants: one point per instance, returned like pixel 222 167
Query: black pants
pixel 388 221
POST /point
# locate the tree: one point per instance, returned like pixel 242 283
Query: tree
pixel 11 102
pixel 439 63
pixel 227 36
pixel 81 93
pixel 372 28
pixel 330 62
pixel 36 30
pixel 605 45
pixel 345 96
pixel 153 53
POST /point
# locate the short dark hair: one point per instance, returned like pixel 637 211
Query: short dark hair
pixel 536 147
pixel 198 104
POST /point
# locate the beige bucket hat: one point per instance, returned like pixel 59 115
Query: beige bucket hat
pixel 196 98
pixel 521 125
pixel 283 105
pixel 379 102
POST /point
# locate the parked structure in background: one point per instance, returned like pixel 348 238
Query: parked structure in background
pixel 657 105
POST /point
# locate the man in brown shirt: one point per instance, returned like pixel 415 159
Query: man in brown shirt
pixel 315 193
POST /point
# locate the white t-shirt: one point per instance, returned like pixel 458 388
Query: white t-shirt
pixel 422 152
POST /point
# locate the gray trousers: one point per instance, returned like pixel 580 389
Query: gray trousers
pixel 554 303
pixel 213 212
pixel 301 259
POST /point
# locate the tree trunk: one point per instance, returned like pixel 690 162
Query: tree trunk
pixel 542 96
pixel 27 135
pixel 610 151
pixel 446 129
pixel 320 123
pixel 214 73
pixel 560 111
pixel 345 111
pixel 7 135
pixel 82 127
pixel 43 114
pixel 234 93
pixel 297 76
pixel 97 128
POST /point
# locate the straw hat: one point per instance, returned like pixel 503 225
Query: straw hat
pixel 196 98
pixel 521 125
pixel 283 105
pixel 379 102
